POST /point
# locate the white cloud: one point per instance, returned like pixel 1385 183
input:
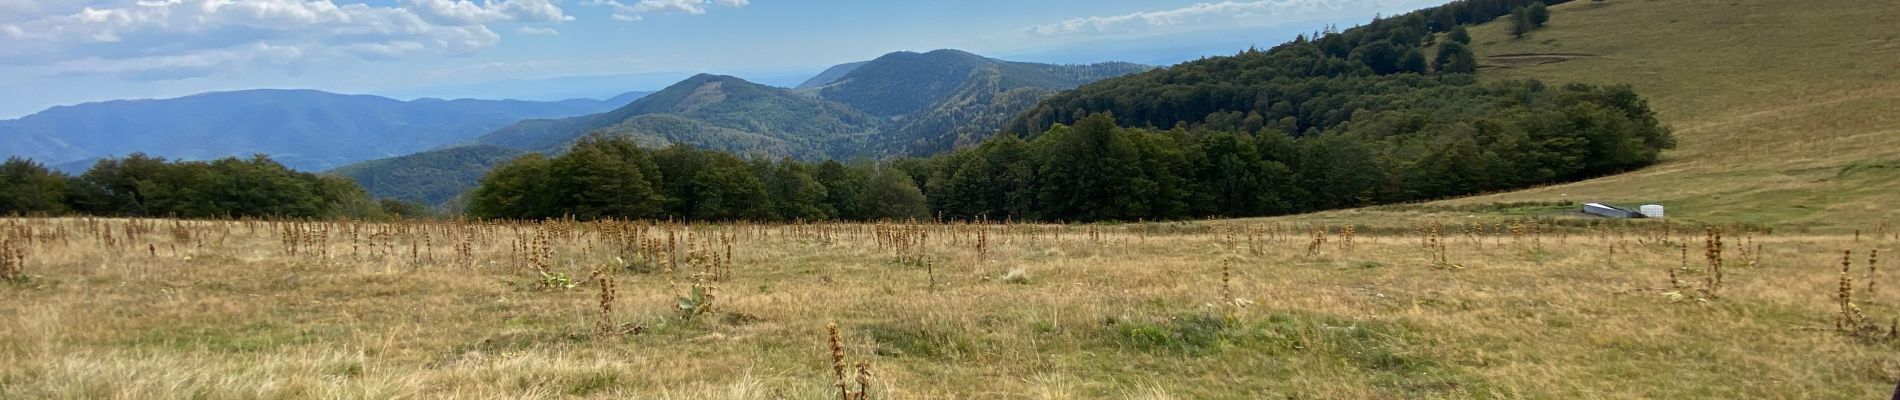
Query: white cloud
pixel 187 38
pixel 21 10
pixel 537 31
pixel 193 65
pixel 466 12
pixel 1200 15
pixel 635 11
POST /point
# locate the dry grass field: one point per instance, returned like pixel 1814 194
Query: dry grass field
pixel 1785 110
pixel 1525 308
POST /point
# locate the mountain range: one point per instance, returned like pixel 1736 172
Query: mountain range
pixel 900 104
pixel 304 129
pixel 430 150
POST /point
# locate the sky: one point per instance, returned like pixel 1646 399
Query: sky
pixel 62 52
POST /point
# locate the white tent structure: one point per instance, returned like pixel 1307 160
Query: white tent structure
pixel 1608 211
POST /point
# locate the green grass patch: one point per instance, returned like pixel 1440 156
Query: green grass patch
pixel 592 382
pixel 920 339
pixel 256 336
pixel 1520 208
pixel 1385 354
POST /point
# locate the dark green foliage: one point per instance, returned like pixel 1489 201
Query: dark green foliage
pixel 606 178
pixel 1454 58
pixel 1521 23
pixel 1459 34
pixel 1428 138
pixel 1413 62
pixel 1381 56
pixel 1539 14
pixel 612 177
pixel 432 177
pixel 519 189
pixel 705 185
pixel 796 195
pixel 142 186
pixel 892 194
pixel 844 190
pixel 1319 81
pixel 26 187
pixel 999 181
pixel 1091 172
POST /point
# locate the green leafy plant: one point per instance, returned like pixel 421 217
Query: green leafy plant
pixel 696 303
pixel 557 280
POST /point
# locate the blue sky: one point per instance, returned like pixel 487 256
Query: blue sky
pixel 56 52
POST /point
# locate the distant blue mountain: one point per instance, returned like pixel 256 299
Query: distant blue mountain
pixel 830 75
pixel 304 129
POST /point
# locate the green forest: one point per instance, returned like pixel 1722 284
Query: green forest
pixel 430 177
pixel 613 177
pixel 142 186
pixel 1328 82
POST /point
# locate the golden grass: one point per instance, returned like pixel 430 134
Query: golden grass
pixel 1561 310
pixel 1785 111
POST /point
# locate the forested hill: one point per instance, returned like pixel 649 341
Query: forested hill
pixel 902 103
pixel 304 129
pixel 430 177
pixel 830 75
pixel 713 112
pixel 907 83
pixel 1301 80
pixel 945 99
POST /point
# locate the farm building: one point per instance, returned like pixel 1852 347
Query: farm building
pixel 1608 211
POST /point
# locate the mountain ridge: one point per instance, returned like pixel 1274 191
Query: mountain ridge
pixel 830 75
pixel 924 102
pixel 715 101
pixel 902 103
pixel 303 128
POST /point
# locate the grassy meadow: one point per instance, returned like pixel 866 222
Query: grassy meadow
pixel 1785 111
pixel 1511 308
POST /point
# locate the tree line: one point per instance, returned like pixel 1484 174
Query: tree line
pixel 613 177
pixel 143 186
pixel 1514 135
